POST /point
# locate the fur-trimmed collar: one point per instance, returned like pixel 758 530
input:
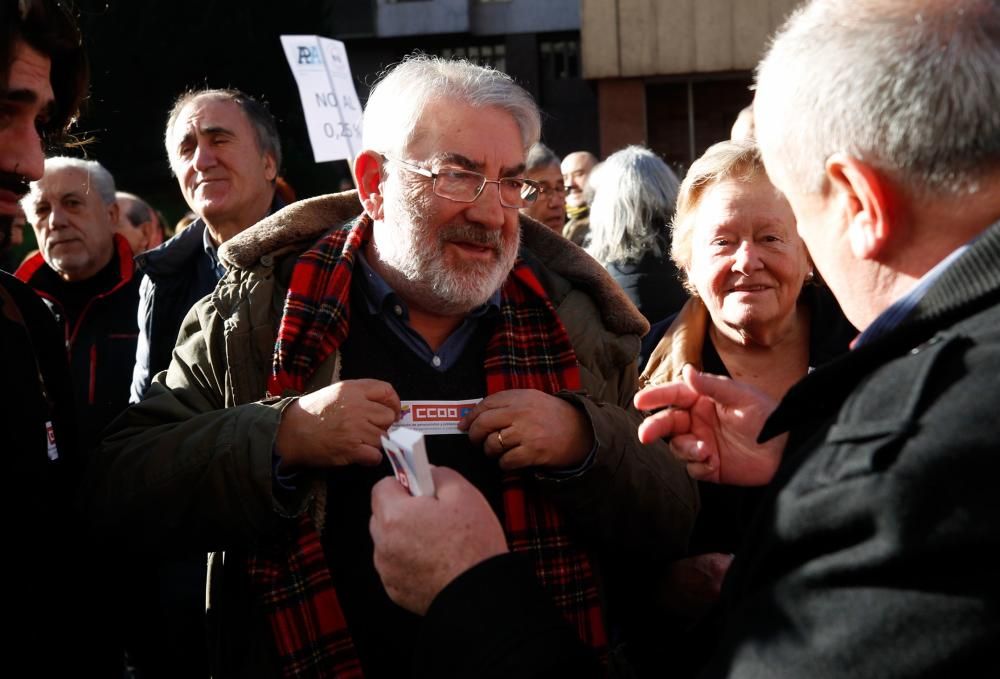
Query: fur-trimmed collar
pixel 302 223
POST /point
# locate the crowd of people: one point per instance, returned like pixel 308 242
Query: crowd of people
pixel 735 424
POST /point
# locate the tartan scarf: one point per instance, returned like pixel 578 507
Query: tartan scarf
pixel 529 350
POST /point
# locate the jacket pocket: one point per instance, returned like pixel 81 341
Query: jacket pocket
pixel 884 411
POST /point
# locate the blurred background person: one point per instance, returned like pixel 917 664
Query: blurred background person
pixel 163 227
pixel 753 317
pixel 284 190
pixel 137 222
pixel 576 168
pixel 633 202
pixel 542 167
pixel 186 220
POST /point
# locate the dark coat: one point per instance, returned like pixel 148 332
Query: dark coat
pixel 178 273
pixel 203 476
pixel 725 509
pixel 58 627
pixel 653 284
pixel 101 342
pixel 877 553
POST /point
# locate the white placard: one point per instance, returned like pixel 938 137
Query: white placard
pixel 329 101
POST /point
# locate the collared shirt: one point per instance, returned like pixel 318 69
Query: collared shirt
pixel 213 253
pixel 382 300
pixel 901 308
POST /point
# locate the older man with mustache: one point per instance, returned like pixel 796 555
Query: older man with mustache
pixel 84 271
pixel 263 436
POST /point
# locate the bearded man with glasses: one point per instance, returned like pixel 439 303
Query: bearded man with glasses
pixel 263 437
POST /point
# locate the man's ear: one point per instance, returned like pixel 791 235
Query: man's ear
pixel 865 195
pixel 368 177
pixel 147 229
pixel 270 167
pixel 114 211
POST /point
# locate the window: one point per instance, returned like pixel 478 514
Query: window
pixel 687 115
pixel 560 59
pixel 484 55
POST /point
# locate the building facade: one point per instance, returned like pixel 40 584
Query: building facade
pixel 673 74
pixel 537 42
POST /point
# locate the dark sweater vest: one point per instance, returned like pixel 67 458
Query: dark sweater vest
pixel 383 633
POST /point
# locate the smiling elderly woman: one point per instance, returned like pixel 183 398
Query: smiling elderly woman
pixel 752 317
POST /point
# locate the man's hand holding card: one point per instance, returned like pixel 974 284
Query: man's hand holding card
pixel 407 454
pixel 458 522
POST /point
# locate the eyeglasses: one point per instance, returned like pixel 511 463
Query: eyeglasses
pixel 463 186
pixel 549 189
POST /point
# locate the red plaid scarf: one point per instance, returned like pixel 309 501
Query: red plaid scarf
pixel 530 350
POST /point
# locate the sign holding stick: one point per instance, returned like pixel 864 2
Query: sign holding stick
pixel 329 101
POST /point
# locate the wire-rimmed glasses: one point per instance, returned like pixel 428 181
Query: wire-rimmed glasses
pixel 464 186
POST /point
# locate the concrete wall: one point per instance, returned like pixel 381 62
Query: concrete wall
pixel 621 108
pixel 422 18
pixel 524 16
pixel 635 38
pixel 427 17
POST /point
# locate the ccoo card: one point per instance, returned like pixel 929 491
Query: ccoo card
pixel 407 453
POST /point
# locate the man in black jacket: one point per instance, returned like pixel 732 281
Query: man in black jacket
pixel 874 553
pixel 224 149
pixel 84 272
pixel 56 628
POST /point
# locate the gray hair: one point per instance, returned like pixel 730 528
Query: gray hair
pixel 635 196
pixel 264 127
pixel 908 87
pixel 404 90
pixel 100 179
pixel 540 155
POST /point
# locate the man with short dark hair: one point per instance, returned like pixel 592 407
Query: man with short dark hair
pixel 56 629
pixel 264 435
pixel 225 151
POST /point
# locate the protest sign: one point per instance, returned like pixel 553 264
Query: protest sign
pixel 329 101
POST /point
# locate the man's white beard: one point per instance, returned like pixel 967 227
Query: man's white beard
pixel 417 267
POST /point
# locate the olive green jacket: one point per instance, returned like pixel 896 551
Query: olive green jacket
pixel 190 467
